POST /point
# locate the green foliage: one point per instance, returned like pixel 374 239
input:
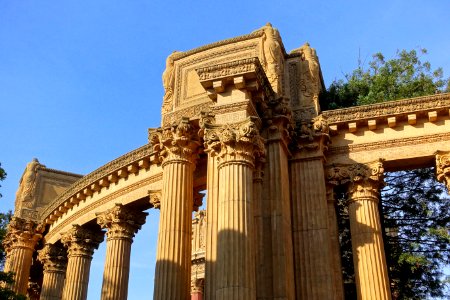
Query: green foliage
pixel 404 76
pixel 415 212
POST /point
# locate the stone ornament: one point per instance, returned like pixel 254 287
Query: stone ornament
pixel 53 257
pixel 239 141
pixel 81 241
pixel 121 222
pixel 21 233
pixel 443 168
pixel 155 198
pixel 312 135
pixel 176 142
pixel 168 79
pixel 27 185
pixel 363 179
pixel 272 56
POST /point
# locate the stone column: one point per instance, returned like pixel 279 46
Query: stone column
pixel 20 240
pixel 176 147
pixel 236 146
pixel 81 243
pixel 443 168
pixel 371 275
pixel 54 259
pixel 277 229
pixel 121 223
pixel 314 277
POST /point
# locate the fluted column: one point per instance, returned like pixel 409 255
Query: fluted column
pixel 236 147
pixel 121 223
pixel 20 240
pixel 314 278
pixel 81 243
pixel 443 168
pixel 212 187
pixel 54 259
pixel 176 147
pixel 371 275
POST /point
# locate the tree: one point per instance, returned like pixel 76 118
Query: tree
pixel 5 278
pixel 414 208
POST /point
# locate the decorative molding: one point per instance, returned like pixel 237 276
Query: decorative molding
pixel 53 257
pixel 81 242
pixel 385 109
pixel 233 142
pixel 176 142
pixel 443 168
pixel 94 205
pixel 121 222
pixel 93 178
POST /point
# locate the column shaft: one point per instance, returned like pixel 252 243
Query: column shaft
pixel 211 223
pixel 52 285
pixel 173 266
pixel 235 256
pixel 77 280
pixel 372 280
pixel 19 261
pixel 311 237
pixel 117 269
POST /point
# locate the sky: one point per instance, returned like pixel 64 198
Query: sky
pixel 80 81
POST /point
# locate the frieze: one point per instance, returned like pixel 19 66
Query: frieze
pixel 102 172
pixel 379 110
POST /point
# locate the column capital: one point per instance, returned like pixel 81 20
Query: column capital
pixel 238 142
pixel 22 233
pixel 121 222
pixel 443 168
pixel 364 180
pixel 81 241
pixel 155 198
pixel 178 142
pixel 311 137
pixel 277 120
pixel 53 257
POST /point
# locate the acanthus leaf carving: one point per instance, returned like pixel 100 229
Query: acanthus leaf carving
pixel 81 241
pixel 21 233
pixel 443 168
pixel 53 257
pixel 155 198
pixel 176 142
pixel 121 222
pixel 311 134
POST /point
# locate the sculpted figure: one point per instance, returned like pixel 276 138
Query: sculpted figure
pixel 310 75
pixel 27 184
pixel 168 79
pixel 271 56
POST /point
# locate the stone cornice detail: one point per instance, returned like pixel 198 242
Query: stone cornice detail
pixel 121 222
pixel 53 257
pixel 98 179
pixel 364 180
pixel 390 108
pixel 233 142
pixel 443 168
pixel 21 233
pixel 81 242
pixel 177 142
pixel 247 68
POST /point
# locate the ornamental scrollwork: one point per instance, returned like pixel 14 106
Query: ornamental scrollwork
pixel 443 168
pixel 21 233
pixel 234 142
pixel 121 222
pixel 53 257
pixel 176 142
pixel 81 241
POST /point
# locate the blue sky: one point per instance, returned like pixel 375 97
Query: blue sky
pixel 80 81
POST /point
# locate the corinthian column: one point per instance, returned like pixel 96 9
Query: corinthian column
pixel 176 147
pixel 121 223
pixel 20 240
pixel 235 147
pixel 443 168
pixel 372 280
pixel 314 277
pixel 81 243
pixel 54 259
